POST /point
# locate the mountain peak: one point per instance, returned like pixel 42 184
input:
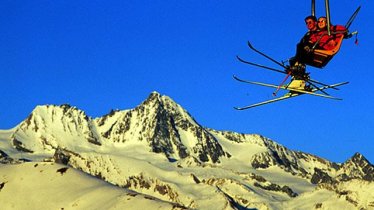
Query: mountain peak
pixel 156 100
pixel 164 126
pixel 358 167
pixel 52 126
pixel 357 159
pixel 154 94
pixel 153 97
pixel 162 104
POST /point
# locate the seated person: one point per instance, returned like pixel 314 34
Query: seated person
pixel 305 45
pixel 326 42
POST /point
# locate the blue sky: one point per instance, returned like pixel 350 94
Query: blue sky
pixel 102 55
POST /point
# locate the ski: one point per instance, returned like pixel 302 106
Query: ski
pixel 312 92
pixel 315 86
pixel 266 56
pixel 351 19
pixel 287 96
pixel 291 94
pixel 259 65
pixel 279 71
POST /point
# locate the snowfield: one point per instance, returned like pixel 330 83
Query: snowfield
pixel 42 185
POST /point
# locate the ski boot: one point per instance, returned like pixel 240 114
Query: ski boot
pixel 298 70
pixel 298 84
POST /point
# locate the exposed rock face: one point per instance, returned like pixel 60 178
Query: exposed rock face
pixel 357 167
pixel 320 176
pixel 162 124
pixel 62 156
pixel 277 188
pixel 290 161
pixel 4 158
pixel 141 182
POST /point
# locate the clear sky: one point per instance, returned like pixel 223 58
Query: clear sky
pixel 102 55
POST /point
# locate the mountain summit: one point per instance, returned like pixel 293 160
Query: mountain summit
pixel 160 150
pixel 50 126
pixel 164 126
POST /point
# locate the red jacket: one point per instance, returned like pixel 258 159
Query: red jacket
pixel 327 42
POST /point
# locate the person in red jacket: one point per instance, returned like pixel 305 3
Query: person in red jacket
pixel 325 41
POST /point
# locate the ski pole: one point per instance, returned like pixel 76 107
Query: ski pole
pixel 281 84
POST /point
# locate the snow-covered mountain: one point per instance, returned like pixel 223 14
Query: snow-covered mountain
pixel 158 150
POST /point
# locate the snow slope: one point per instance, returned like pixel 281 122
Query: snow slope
pixel 41 185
